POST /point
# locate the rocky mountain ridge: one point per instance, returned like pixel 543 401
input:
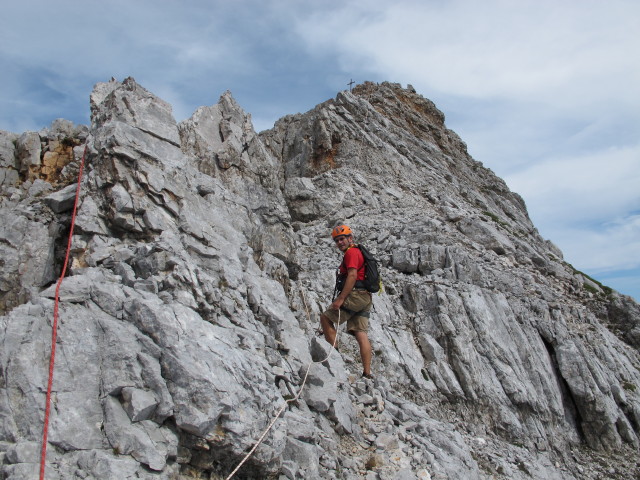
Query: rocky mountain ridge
pixel 201 260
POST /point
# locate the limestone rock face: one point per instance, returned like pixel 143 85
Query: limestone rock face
pixel 8 158
pixel 201 260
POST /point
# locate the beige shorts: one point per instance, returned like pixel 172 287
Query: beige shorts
pixel 355 310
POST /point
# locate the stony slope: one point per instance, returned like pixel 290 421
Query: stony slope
pixel 201 260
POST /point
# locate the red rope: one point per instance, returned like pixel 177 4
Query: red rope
pixel 54 331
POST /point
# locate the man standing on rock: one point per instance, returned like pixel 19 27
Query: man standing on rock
pixel 353 304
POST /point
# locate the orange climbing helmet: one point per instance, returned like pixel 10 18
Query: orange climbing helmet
pixel 340 230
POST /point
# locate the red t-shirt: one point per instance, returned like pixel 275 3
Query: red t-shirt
pixel 353 259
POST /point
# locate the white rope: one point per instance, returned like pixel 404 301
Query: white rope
pixel 290 400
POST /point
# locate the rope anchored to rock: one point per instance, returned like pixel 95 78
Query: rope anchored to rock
pixel 54 327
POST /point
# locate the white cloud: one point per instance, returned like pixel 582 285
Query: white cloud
pixel 589 206
pixel 496 49
pixel 614 246
pixel 587 189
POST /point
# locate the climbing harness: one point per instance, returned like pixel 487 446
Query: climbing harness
pixel 293 399
pixel 54 328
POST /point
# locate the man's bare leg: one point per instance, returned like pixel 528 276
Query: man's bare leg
pixel 365 351
pixel 328 329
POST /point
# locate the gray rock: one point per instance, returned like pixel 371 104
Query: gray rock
pixel 27 252
pixel 322 390
pixel 139 404
pixel 62 200
pixel 304 457
pixel 131 104
pixel 23 452
pixel 145 442
pixel 28 151
pixel 386 442
pixel 8 159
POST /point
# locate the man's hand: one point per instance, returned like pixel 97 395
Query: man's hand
pixel 337 303
pixel 349 283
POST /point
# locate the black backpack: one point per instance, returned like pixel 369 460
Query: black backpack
pixel 372 281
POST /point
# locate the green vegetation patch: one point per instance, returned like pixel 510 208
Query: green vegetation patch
pixel 495 218
pixel 607 290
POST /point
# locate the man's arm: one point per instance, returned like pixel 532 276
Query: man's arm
pixel 349 283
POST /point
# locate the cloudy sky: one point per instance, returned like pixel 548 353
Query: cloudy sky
pixel 545 93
